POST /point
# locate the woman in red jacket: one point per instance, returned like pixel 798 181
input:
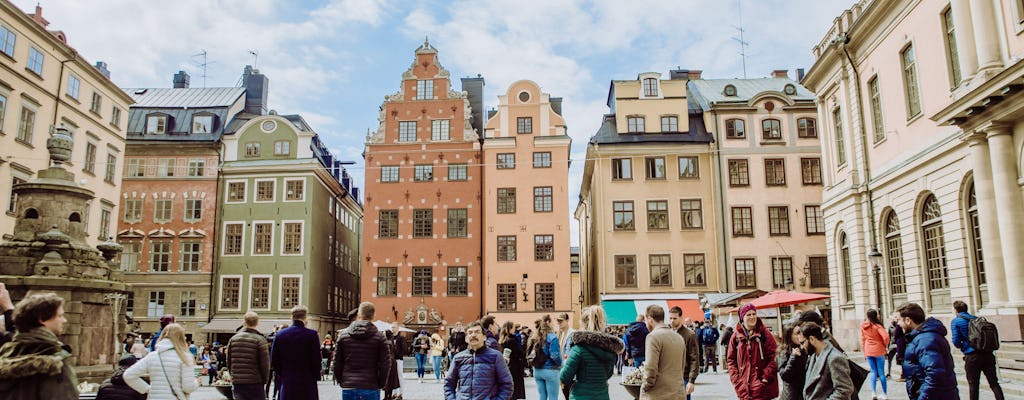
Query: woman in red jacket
pixel 751 358
pixel 874 339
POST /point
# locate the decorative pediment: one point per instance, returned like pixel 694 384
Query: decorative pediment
pixel 192 233
pixel 161 233
pixel 130 234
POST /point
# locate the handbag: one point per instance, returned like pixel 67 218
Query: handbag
pixel 160 357
pixel 858 375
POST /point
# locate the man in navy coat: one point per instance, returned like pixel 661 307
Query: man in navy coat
pixel 296 358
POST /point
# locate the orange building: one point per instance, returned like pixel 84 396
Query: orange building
pixel 422 247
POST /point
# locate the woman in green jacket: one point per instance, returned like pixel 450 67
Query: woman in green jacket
pixel 592 357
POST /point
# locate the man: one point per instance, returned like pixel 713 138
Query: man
pixel 398 348
pixel 726 335
pixel 976 361
pixel 35 365
pixel 692 365
pixel 927 361
pixel 478 373
pixel 164 321
pixel 249 360
pixel 664 356
pixel 491 329
pixel 565 332
pixel 296 358
pixel 362 358
pixel 273 372
pixel 751 358
pixel 828 369
pixel 709 339
pixel 634 339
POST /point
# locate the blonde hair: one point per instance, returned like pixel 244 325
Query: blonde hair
pixel 176 334
pixel 252 319
pixel 594 319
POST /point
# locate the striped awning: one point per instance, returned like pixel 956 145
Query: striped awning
pixel 623 309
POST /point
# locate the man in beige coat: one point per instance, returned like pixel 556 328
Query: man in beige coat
pixel 666 355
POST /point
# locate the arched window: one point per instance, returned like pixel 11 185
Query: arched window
pixel 974 228
pixel 844 258
pixel 806 128
pixel 75 217
pixel 771 129
pixel 31 214
pixel 934 244
pixel 894 254
pixel 734 129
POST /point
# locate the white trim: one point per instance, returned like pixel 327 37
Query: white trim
pixel 302 237
pixel 220 292
pixel 284 190
pixel 227 190
pixel 280 289
pixel 252 240
pixel 223 239
pixel 651 296
pixel 270 291
pixel 255 190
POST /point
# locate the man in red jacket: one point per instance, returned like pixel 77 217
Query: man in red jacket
pixel 751 358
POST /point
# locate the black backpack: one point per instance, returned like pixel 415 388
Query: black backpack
pixel 982 335
pixel 537 357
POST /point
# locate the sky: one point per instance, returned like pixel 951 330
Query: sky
pixel 333 61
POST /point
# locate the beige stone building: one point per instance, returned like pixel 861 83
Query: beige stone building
pixel 44 84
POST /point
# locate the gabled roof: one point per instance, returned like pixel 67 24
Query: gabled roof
pixel 708 92
pixel 185 97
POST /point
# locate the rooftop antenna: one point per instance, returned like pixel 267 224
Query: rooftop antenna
pixel 743 43
pixel 255 57
pixel 202 64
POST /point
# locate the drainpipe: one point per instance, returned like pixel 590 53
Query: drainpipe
pixel 60 83
pixel 483 222
pixel 216 242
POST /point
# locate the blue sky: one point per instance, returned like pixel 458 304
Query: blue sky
pixel 333 61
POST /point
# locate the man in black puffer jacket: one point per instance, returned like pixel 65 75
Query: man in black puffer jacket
pixel 249 360
pixel 362 357
pixel 115 388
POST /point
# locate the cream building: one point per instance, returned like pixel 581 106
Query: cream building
pixel 45 84
pixel 924 122
pixel 526 217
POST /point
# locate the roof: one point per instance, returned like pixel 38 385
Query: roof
pixel 708 92
pixel 696 133
pixel 185 97
pixel 181 104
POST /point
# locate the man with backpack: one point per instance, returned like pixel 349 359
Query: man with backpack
pixel 977 339
pixel 634 339
pixel 709 339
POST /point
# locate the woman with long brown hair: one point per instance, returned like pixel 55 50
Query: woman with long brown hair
pixel 546 375
pixel 515 357
pixel 169 368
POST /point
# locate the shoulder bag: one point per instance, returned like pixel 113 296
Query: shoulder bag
pixel 169 383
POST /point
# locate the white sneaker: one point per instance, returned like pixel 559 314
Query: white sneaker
pixel 421 380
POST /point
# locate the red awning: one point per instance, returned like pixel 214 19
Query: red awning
pixel 691 308
pixel 781 298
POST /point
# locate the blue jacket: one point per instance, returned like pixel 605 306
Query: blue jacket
pixel 478 375
pixel 553 352
pixel 296 359
pixel 708 335
pixel 961 327
pixel 635 337
pixel 928 363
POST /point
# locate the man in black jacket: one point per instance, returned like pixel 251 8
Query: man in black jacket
pixel 398 348
pixel 249 360
pixel 362 358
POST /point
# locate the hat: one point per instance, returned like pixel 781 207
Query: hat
pixel 747 308
pixel 563 317
pixel 166 319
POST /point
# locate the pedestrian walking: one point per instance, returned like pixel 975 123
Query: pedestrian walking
pixel 209 364
pixel 398 349
pixel 164 321
pixel 897 345
pixel 436 352
pixel 664 357
pixel 326 356
pixel 591 359
pixel 976 360
pixel 813 316
pixel 515 357
pixel 565 332
pixel 546 354
pixel 927 362
pixel 724 343
pixel 295 356
pixel 709 339
pixel 273 372
pixel 421 348
pixel 874 341
pixel 169 368
pixel 478 373
pixel 828 369
pixel 792 361
pixel 249 360
pixel 634 339
pixel 362 360
pixel 751 358
pixel 114 388
pixel 36 362
pixel 491 331
pixel 456 340
pixel 531 346
pixel 691 368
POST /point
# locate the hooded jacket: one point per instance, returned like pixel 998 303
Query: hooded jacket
pixel 34 365
pixel 249 358
pixel 636 334
pixel 115 388
pixel 478 375
pixel 167 374
pixel 928 363
pixel 591 361
pixel 363 357
pixel 751 359
pixel 874 339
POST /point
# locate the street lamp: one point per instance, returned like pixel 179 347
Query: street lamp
pixel 581 299
pixel 876 259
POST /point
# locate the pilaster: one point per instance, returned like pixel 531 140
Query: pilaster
pixel 986 37
pixel 964 38
pixel 995 276
pixel 1009 207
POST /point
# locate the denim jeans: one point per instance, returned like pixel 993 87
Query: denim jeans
pixel 547 383
pixel 421 361
pixel 877 364
pixel 436 362
pixel 252 391
pixel 637 360
pixel 360 394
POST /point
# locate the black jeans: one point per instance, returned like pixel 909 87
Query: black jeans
pixel 252 391
pixel 976 363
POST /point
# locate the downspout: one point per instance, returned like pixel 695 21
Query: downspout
pixel 216 242
pixel 60 83
pixel 483 223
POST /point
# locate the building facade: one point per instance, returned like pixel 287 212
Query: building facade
pixel 526 234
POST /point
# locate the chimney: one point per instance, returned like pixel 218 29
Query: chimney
pixel 474 88
pixel 678 74
pixel 780 73
pixel 180 80
pixel 556 104
pixel 102 67
pixel 799 74
pixel 694 74
pixel 38 17
pixel 256 86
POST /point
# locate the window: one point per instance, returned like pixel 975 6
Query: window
pixel 294 189
pixel 844 260
pixel 622 168
pixel 806 128
pixel 771 129
pixel 202 124
pixel 236 192
pixel 623 215
pixel 265 190
pixel 693 267
pixel 292 238
pixel 782 272
pixel 263 238
pixel 815 220
pixel 458 281
pixel 934 244
pixel 388 225
pixel 3 105
pixel 457 172
pixel 457 223
pixel 974 232
pixel 670 124
pixel 387 281
pixel 108 175
pixel 542 199
pixel 894 254
pixel 506 200
pixel 291 286
pixel 635 124
pixel 657 215
pixel 115 116
pixel 424 89
pixel 136 168
pixel 156 125
pixel 506 297
pixel 133 210
pixel 775 171
pixel 910 81
pixel 625 271
pixel 778 221
pixel 876 110
pixel 407 131
pixel 90 158
pixel 259 293
pixel 506 248
pixel 506 160
pixel 688 168
pixel 162 210
pixel 160 256
pixel 742 221
pixel 650 87
pixel 423 223
pixel 188 304
pixel 819 271
pixel 543 247
pixel 953 58
pixel 282 148
pixel 746 278
pixel 74 85
pixel 97 103
pixel 542 159
pixel 104 224
pixel 156 304
pixel 545 293
pixel 12 203
pixel 421 281
pixel 233 239
pixel 191 255
pixel 7 40
pixel 165 167
pixel 837 119
pixel 35 61
pixel 196 167
pixel 739 173
pixel 440 129
pixel 661 269
pixel 734 129
pixel 524 124
pixel 423 173
pixel 690 214
pixel 655 167
pixel 810 171
pixel 252 150
pixel 26 125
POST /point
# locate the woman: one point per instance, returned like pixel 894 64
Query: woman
pixel 210 364
pixel 169 368
pixel 530 343
pixel 394 378
pixel 874 339
pixel 516 359
pixel 592 357
pixel 897 344
pixel 546 376
pixel 436 351
pixel 421 345
pixel 326 355
pixel 792 360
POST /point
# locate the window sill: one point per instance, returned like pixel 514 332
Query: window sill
pixel 779 235
pixel 657 229
pixel 879 142
pixel 808 137
pixel 815 233
pixel 739 186
pixel 656 179
pixel 812 183
pixel 696 285
pixel 692 229
pixel 771 185
pixel 11 214
pixel 622 179
pixel 24 143
pixel 624 230
pixel 773 142
pixel 747 235
pixel 72 98
pixel 90 173
pixel 914 118
pixel 689 178
pixel 735 137
pixel 33 73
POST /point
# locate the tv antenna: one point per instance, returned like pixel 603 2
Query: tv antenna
pixel 202 63
pixel 743 43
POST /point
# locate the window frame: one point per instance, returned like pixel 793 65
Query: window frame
pixel 422 281
pixel 282 306
pixel 544 161
pixel 269 291
pixel 771 129
pixel 386 276
pixel 814 219
pixel 695 265
pixel 651 169
pixel 190 260
pixel 657 215
pixel 225 246
pixel 507 248
pixel 390 230
pixel 807 128
pixel 635 124
pixel 505 292
pixel 650 87
pixel 166 256
pixel 730 128
pixel 423 223
pixel 8 40
pixel 461 281
pixel 35 61
pixel 911 81
pixel 285 238
pixel 544 247
pixel 524 125
pixel 424 89
pixel 268 248
pixel 877 119
pixel 745 273
pixel 406 128
pixel 228 198
pixel 747 229
pixel 620 174
pixel 685 211
pixel 818 275
pixel 197 122
pixel 694 162
pixel 460 223
pixel 459 176
pixel 505 161
pixel 74 86
pixel 163 210
pixel 423 173
pixel 156 124
pixel 27 123
pixel 775 172
pixel 840 140
pixel 506 198
pixel 544 296
pixel 440 130
pixel 290 197
pixel 778 221
pixel 810 171
pixel 543 199
pixel 663 262
pixel 740 175
pixel 952 53
pixel 631 212
pixel 282 148
pixel 626 269
pixel 257 189
pixel 781 272
pixel 670 124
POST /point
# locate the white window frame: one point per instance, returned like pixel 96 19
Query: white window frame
pixel 196 118
pixel 29 132
pixel 7 37
pixel 385 173
pixel 440 130
pixel 187 216
pixel 157 209
pixel 165 167
pixel 280 288
pixel 252 239
pixel 302 237
pixel 181 255
pixel 74 86
pixel 31 62
pixel 199 164
pixel 245 191
pixel 282 148
pixel 425 89
pixel 224 237
pixel 284 192
pixel 220 290
pixel 256 188
pixel 270 291
pixel 154 119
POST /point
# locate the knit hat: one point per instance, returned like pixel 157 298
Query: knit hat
pixel 747 308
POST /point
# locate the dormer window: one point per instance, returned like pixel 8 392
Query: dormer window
pixel 650 87
pixel 424 89
pixel 730 90
pixel 202 124
pixel 156 124
pixel 789 89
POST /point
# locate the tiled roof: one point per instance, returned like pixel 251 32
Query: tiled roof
pixel 185 97
pixel 708 92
